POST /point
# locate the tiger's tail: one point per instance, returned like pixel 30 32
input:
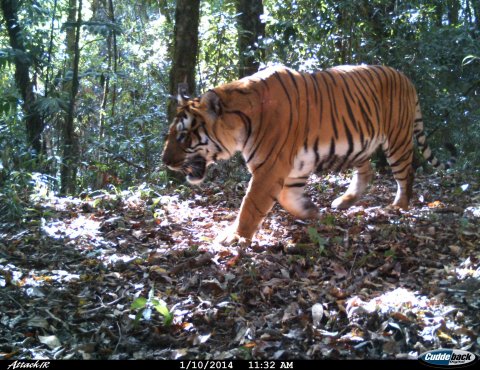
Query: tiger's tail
pixel 419 133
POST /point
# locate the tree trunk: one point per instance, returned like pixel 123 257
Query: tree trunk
pixel 185 53
pixel 453 11
pixel 250 28
pixel 377 17
pixel 68 172
pixel 111 14
pixel 438 14
pixel 185 49
pixel 50 50
pixel 476 13
pixel 112 58
pixel 33 120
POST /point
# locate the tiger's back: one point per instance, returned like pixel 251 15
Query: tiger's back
pixel 333 119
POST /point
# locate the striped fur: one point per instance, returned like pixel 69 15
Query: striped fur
pixel 289 124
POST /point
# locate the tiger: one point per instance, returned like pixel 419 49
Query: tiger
pixel 288 124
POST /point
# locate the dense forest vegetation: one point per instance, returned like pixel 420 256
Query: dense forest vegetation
pixel 105 254
pixel 86 85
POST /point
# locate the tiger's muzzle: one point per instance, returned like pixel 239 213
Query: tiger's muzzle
pixel 195 169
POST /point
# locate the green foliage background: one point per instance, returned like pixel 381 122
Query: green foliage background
pixel 422 38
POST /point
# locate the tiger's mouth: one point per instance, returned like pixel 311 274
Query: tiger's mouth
pixel 195 169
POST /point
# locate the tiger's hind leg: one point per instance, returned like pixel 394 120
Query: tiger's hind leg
pixel 362 176
pixel 402 169
pixel 293 199
pixel 404 180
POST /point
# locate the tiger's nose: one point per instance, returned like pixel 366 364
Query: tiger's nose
pixel 168 159
pixel 171 159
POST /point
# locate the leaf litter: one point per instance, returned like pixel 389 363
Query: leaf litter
pixel 137 276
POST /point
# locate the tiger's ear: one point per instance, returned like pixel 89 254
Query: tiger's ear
pixel 182 97
pixel 211 105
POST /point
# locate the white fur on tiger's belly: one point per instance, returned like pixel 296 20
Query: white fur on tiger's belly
pixel 303 164
pixel 305 161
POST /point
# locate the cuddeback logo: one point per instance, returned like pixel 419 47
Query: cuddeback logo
pixel 448 357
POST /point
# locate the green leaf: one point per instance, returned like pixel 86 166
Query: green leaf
pixel 389 253
pixel 469 59
pixel 139 303
pixel 168 319
pixel 329 220
pixel 162 308
pixel 315 237
pixel 313 234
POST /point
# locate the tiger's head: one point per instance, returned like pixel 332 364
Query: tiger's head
pixel 191 144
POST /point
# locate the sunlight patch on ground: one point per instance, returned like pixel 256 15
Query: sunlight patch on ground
pixel 37 278
pixel 182 210
pixel 404 307
pixel 335 179
pixel 187 213
pixel 79 227
pixel 87 234
pixel 33 278
pixel 468 269
pixel 10 273
pixel 474 211
pixel 64 203
pixel 388 302
pixel 114 258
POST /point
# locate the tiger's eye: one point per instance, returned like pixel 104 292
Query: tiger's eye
pixel 181 137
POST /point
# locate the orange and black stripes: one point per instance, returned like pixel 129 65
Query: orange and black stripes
pixel 353 108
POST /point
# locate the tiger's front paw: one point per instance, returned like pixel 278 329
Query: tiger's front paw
pixel 344 202
pixel 229 238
